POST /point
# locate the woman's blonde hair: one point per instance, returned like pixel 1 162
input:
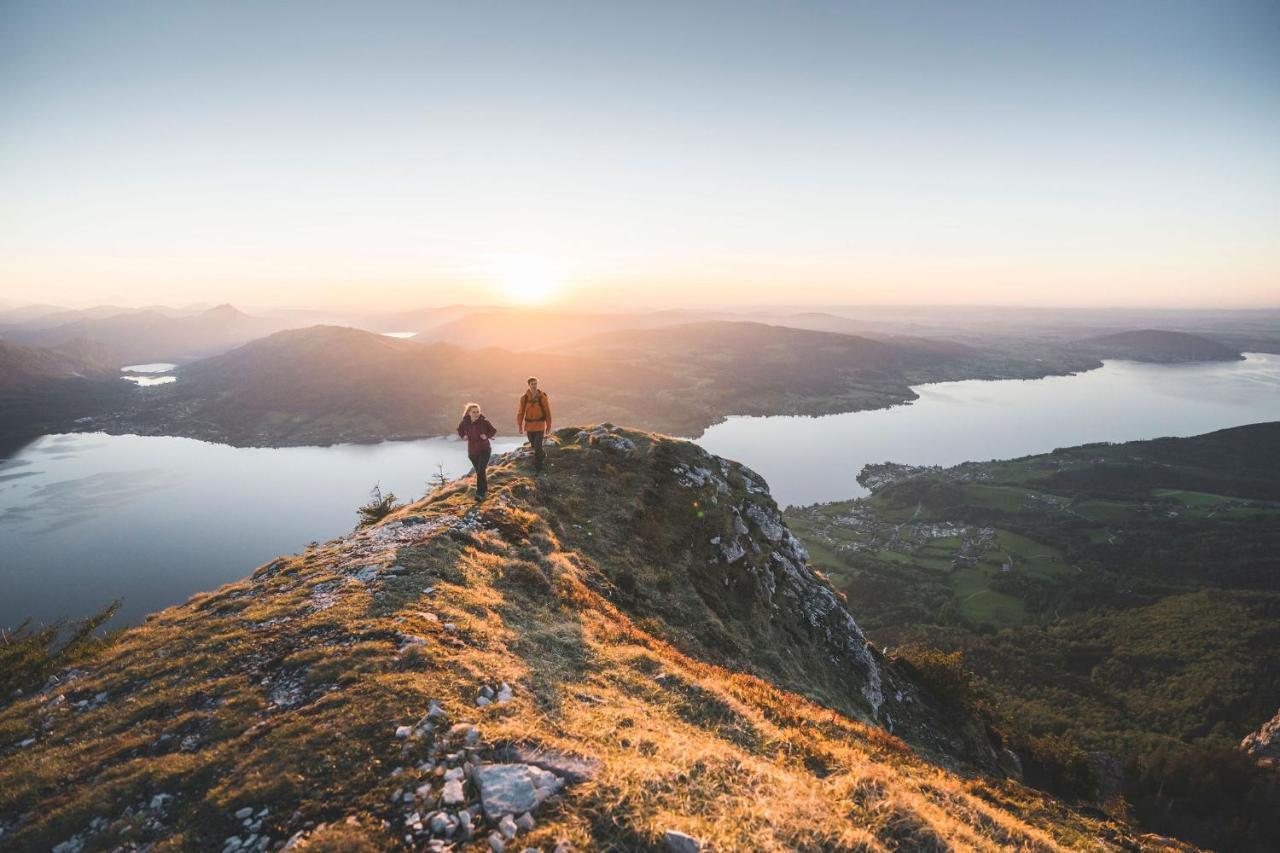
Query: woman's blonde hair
pixel 467 407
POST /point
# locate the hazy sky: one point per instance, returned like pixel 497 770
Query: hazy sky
pixel 640 154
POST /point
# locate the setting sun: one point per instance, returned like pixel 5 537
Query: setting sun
pixel 526 280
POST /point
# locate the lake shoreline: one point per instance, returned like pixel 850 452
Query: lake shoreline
pixel 129 422
pixel 88 516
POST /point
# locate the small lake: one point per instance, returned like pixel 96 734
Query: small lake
pixel 87 518
pixel 814 460
pixel 152 373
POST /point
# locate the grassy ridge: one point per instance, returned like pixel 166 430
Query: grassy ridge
pixel 282 693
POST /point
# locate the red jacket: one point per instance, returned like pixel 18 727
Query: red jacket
pixel 477 433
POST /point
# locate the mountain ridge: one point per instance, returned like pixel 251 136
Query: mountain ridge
pixel 540 652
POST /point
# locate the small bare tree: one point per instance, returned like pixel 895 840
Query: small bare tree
pixel 439 479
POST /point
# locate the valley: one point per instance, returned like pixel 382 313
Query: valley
pixel 1123 597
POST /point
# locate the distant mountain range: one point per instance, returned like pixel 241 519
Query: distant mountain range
pixel 327 384
pixel 256 380
pixel 535 329
pixel 150 335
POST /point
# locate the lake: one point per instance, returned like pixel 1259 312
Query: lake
pixel 815 460
pixel 85 518
pixel 152 373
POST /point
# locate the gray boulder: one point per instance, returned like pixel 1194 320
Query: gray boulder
pixel 678 842
pixel 507 789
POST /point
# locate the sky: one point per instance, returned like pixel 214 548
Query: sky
pixel 640 154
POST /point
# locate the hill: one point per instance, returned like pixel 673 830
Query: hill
pixel 326 384
pixel 1160 346
pixel 24 366
pixel 43 390
pixel 152 335
pixel 1123 597
pixel 629 652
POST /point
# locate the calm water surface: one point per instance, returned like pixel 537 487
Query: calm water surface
pixel 87 518
pixel 809 460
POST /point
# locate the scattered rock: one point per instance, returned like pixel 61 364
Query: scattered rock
pixel 507 826
pixel 365 574
pixel 732 551
pixel 678 842
pixel 507 789
pixel 453 794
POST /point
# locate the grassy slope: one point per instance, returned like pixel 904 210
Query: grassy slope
pixel 284 690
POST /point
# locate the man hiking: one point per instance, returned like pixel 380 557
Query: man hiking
pixel 533 418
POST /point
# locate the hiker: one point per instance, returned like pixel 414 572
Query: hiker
pixel 477 430
pixel 534 419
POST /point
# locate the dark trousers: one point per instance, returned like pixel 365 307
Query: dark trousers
pixel 535 441
pixel 480 461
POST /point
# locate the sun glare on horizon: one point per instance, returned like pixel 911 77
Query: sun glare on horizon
pixel 526 280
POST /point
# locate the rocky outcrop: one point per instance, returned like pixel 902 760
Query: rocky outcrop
pixel 1264 744
pixel 732 578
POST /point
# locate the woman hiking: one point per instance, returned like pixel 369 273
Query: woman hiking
pixel 533 417
pixel 477 430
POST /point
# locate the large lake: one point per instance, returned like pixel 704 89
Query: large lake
pixel 87 518
pixel 809 460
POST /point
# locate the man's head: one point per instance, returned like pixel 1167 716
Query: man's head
pixel 533 384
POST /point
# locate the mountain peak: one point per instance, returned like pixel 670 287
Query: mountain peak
pixel 623 651
pixel 225 310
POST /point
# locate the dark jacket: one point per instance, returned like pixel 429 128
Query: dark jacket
pixel 477 433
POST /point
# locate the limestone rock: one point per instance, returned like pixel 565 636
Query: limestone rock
pixel 1264 744
pixel 507 789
